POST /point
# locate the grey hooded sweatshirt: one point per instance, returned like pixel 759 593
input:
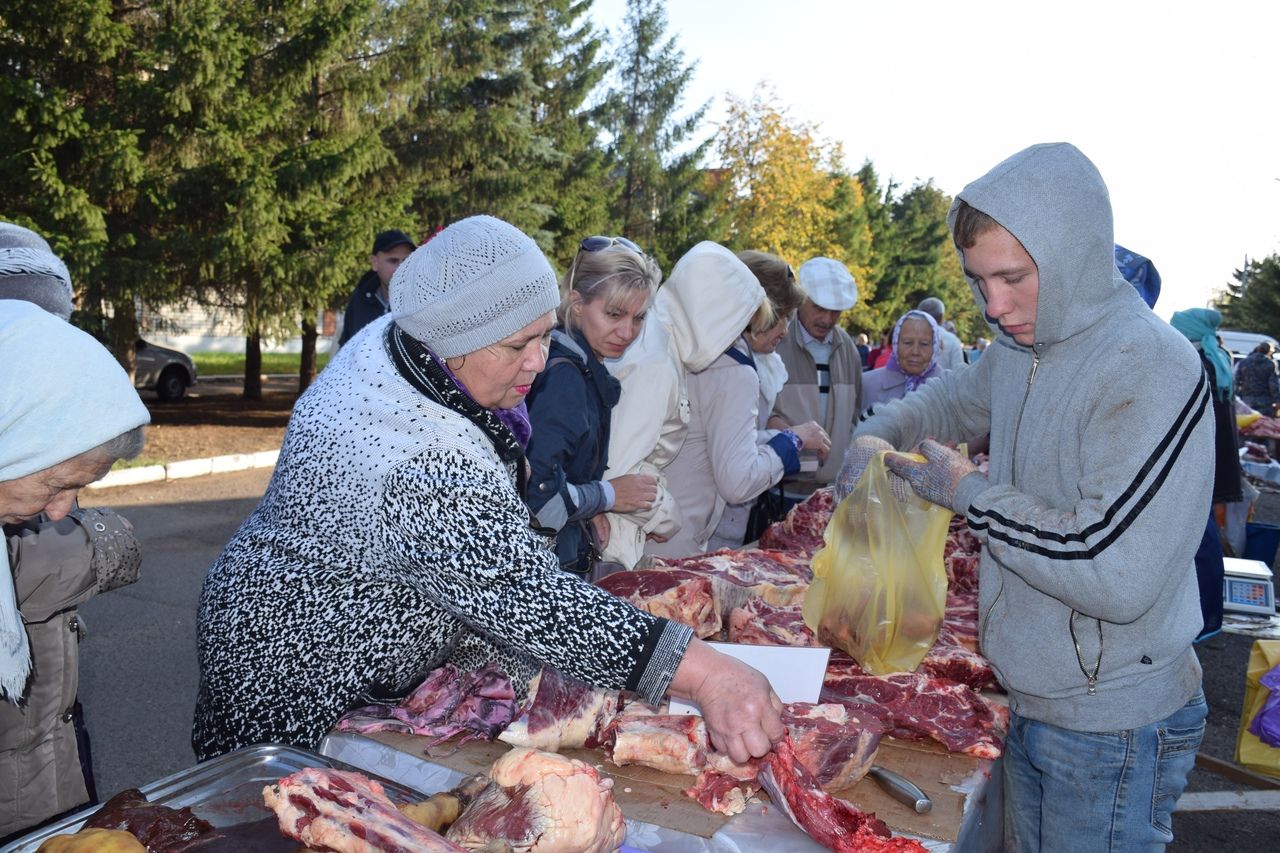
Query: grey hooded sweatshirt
pixel 1100 473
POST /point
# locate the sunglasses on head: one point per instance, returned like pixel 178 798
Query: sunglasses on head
pixel 599 244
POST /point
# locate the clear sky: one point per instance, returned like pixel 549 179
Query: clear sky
pixel 1174 101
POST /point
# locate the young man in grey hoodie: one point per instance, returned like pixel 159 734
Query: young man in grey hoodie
pixel 1101 465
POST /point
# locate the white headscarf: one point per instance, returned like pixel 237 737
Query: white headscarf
pixel 61 394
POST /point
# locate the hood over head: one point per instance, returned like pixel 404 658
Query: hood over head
pixel 1053 200
pixel 706 303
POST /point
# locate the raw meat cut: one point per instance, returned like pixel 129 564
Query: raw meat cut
pixel 748 573
pixel 157 827
pixel 761 624
pixel 540 802
pixel 836 746
pixel 681 596
pixel 563 713
pixel 960 556
pixel 830 821
pixel 346 812
pixel 803 528
pixel 476 705
pixel 918 706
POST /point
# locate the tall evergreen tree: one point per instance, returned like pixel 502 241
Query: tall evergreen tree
pixel 666 201
pixel 97 122
pixel 288 154
pixel 1252 301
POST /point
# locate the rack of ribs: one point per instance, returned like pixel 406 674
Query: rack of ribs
pixel 346 812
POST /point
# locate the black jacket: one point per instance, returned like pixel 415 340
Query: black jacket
pixel 569 407
pixel 363 307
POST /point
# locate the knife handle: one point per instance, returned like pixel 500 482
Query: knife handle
pixel 902 789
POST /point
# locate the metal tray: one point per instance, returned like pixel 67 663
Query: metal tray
pixel 224 791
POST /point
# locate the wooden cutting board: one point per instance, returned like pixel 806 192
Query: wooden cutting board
pixel 654 797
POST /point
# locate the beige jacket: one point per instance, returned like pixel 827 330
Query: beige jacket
pixel 722 460
pixel 700 310
pixel 56 567
pixel 799 401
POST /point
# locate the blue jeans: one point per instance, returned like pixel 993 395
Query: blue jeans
pixel 1097 792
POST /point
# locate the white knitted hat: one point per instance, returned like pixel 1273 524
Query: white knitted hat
pixel 29 270
pixel 473 284
pixel 828 283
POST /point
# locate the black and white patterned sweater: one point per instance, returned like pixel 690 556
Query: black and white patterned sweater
pixel 390 540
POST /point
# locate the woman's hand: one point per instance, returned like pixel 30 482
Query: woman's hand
pixel 601 524
pixel 634 492
pixel 815 438
pixel 742 713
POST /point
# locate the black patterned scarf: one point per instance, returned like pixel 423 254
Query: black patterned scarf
pixel 427 372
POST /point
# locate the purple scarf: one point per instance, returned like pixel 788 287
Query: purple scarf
pixel 515 419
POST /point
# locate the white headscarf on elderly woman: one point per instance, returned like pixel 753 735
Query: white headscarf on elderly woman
pixel 916 380
pixel 81 399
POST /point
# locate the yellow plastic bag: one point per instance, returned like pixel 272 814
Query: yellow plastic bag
pixel 1251 752
pixel 1247 419
pixel 879 585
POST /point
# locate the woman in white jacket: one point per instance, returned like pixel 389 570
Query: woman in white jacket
pixel 783 292
pixel 700 310
pixel 724 459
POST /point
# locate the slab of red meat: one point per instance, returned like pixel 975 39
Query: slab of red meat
pixel 476 705
pixel 562 713
pixel 919 706
pixel 960 556
pixel 801 531
pixel 681 596
pixel 741 575
pixel 830 821
pixel 540 802
pixel 346 812
pixel 157 827
pixel 836 746
pixel 761 624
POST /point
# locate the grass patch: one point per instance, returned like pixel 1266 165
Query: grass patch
pixel 232 364
pixel 138 462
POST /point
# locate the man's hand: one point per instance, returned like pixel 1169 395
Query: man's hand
pixel 938 477
pixel 856 459
pixel 742 713
pixel 814 438
pixel 634 492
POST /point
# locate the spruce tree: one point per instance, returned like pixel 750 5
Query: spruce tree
pixel 666 200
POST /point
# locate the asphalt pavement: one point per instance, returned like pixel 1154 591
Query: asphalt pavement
pixel 139 670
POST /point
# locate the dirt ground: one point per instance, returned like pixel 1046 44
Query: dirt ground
pixel 215 420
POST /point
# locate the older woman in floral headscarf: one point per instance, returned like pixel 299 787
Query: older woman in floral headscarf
pixel 913 362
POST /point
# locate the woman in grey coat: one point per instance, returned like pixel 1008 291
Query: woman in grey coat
pixel 56 436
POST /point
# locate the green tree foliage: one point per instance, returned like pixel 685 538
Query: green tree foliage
pixel 92 97
pixel 287 154
pixel 665 200
pixel 913 258
pixel 1252 302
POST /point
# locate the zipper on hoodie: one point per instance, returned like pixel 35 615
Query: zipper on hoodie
pixel 1013 478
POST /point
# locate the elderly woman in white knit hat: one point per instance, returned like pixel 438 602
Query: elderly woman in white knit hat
pixel 393 537
pixel 57 434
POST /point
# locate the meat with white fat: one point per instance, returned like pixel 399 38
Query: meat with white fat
pixel 541 802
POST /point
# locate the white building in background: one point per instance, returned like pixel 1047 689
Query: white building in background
pixel 201 328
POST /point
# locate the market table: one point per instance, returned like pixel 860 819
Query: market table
pixel 966 792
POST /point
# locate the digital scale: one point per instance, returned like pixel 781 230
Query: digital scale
pixel 1246 587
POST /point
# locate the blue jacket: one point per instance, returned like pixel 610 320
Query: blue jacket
pixel 569 407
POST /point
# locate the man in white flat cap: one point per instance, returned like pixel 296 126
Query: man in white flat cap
pixel 824 370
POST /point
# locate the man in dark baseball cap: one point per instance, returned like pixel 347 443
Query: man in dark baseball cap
pixel 372 297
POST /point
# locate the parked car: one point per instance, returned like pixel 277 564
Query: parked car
pixel 166 371
pixel 1240 344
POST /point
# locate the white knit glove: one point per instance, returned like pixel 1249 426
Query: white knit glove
pixel 938 477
